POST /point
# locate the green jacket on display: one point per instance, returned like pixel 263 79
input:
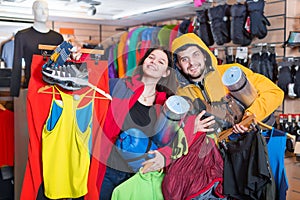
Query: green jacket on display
pixel 140 186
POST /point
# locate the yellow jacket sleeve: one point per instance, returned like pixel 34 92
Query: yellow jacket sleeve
pixel 269 97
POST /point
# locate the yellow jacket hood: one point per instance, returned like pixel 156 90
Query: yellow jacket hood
pixel 212 80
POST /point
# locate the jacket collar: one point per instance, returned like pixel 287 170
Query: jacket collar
pixel 137 86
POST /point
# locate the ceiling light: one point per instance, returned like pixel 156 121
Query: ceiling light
pixel 152 9
pixel 92 10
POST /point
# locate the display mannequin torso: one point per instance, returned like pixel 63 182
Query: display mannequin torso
pixel 26 44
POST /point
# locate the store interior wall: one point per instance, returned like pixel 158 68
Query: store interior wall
pixel 284 16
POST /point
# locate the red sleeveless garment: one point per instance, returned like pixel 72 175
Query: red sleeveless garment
pixel 37 111
pixel 195 173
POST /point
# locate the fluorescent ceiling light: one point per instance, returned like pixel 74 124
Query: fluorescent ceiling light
pixel 152 9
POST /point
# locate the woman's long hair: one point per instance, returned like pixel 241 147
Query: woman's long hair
pixel 167 84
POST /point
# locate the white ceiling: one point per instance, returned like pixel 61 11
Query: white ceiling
pixel 109 12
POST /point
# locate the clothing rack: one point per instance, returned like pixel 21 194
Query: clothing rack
pixel 263 48
pixel 248 121
pixel 292 60
pixel 289 61
pixel 88 51
pixel 266 46
pixel 83 50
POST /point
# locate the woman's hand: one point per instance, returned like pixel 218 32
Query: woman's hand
pixel 154 164
pixel 203 125
pixel 76 54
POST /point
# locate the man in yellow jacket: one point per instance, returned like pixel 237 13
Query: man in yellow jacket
pixel 199 174
pixel 200 77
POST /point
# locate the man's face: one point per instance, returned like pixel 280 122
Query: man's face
pixel 192 62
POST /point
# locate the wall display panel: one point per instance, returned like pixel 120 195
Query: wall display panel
pixel 274 8
pixel 276 22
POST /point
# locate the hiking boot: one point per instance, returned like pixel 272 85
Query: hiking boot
pixel 64 84
pixel 68 72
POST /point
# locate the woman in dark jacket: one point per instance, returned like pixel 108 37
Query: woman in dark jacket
pixel 136 103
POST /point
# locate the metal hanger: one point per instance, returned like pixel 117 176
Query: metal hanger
pixel 46 87
pixel 2 107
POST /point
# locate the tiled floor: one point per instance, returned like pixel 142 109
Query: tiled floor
pixel 292 167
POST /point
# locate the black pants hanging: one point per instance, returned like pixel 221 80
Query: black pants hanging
pixel 247 173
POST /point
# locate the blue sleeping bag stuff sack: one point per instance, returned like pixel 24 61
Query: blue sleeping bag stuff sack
pixel 133 146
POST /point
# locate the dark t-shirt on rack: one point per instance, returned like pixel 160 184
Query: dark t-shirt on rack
pixel 26 44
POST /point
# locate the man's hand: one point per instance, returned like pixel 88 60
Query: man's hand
pixel 237 128
pixel 154 164
pixel 203 125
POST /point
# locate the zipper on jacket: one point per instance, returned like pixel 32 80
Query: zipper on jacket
pixel 203 92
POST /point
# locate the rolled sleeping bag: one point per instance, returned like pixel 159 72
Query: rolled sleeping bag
pixel 170 120
pixel 239 86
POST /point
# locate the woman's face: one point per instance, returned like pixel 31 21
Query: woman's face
pixel 156 64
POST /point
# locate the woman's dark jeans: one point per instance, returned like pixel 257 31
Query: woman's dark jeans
pixel 112 179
